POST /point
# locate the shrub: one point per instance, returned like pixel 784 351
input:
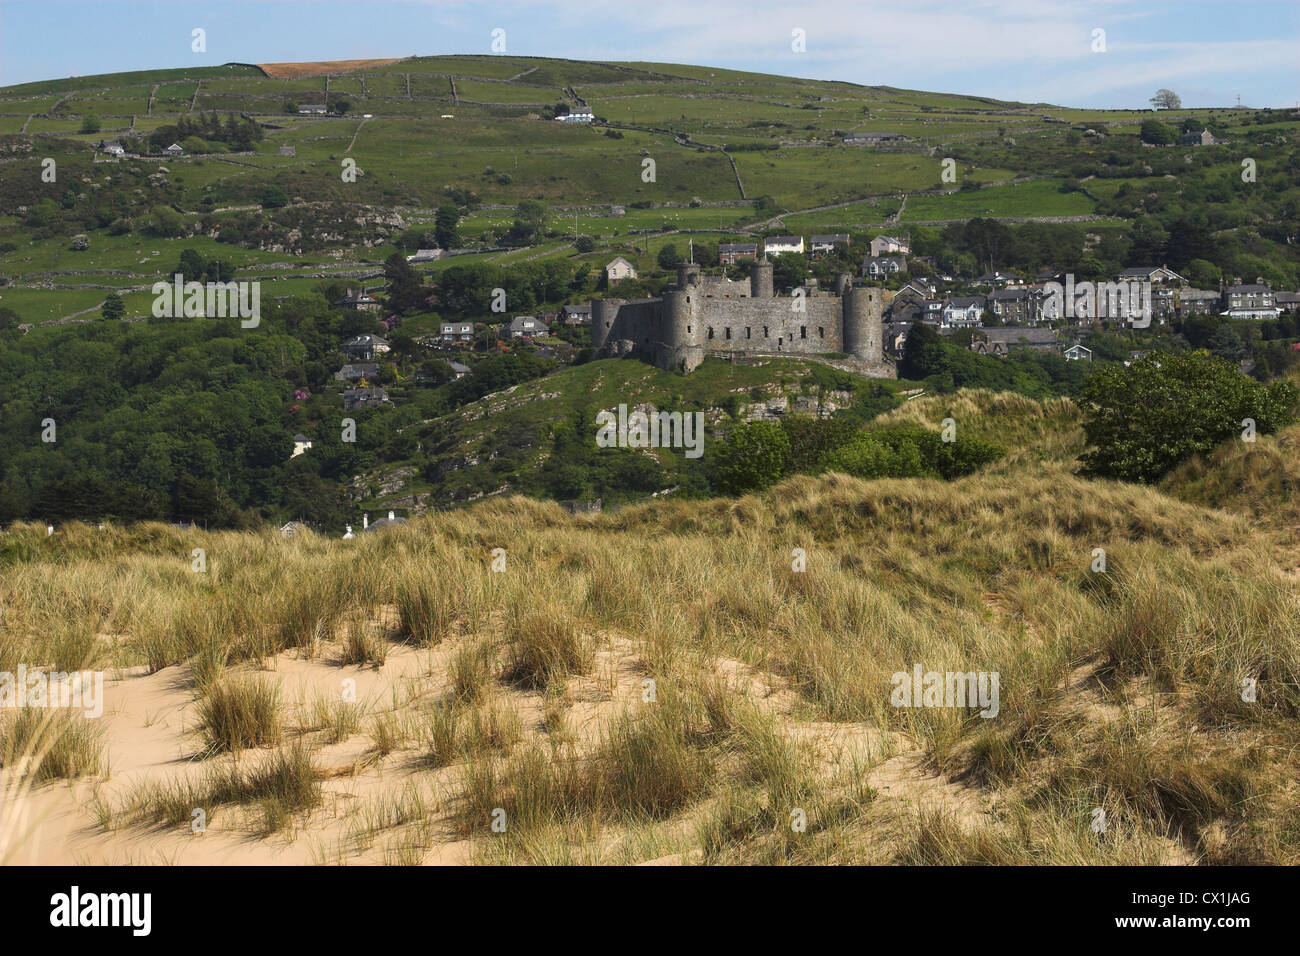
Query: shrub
pixel 1149 417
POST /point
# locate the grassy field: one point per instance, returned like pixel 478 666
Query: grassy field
pixel 1037 198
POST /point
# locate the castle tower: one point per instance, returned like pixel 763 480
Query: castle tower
pixel 676 318
pixel 843 282
pixel 603 314
pixel 760 280
pixel 862 334
pixel 688 274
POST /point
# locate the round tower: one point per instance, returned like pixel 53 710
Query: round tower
pixel 603 314
pixel 862 310
pixel 688 274
pixel 843 282
pixel 760 280
pixel 676 318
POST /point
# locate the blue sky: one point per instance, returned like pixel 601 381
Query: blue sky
pixel 1208 52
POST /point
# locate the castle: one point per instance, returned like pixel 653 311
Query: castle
pixel 708 315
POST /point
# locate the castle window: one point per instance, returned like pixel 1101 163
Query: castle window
pixel 803 331
pixel 821 333
pixel 710 331
pixel 747 331
pixel 689 330
pixel 765 335
pixel 728 332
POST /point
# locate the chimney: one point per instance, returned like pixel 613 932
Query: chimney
pixel 365 522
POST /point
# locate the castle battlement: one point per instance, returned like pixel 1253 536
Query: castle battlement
pixel 712 315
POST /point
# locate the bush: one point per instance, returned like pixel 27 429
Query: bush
pixel 753 458
pixel 1149 417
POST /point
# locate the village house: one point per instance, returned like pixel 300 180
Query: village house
pixel 364 398
pixel 1191 301
pixel 389 522
pixel 364 347
pixel 174 150
pixel 359 300
pixel 577 114
pixel 456 332
pixel 1000 341
pixel 425 255
pixel 1250 301
pixel 884 266
pixel 114 149
pixel 458 370
pixel 619 268
pixel 300 444
pixel 1203 138
pixel 312 108
pixel 355 372
pixel 574 314
pixel 729 253
pixel 915 289
pixel 1021 306
pixel 888 245
pixel 826 245
pixel 522 325
pixel 963 311
pixel 777 245
pixel 996 279
pixel 1286 301
pixel 1152 274
pixel 1079 353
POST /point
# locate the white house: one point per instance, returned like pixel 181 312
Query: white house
pixel 174 150
pixel 577 114
pixel 887 245
pixel 619 268
pixel 964 310
pixel 300 444
pixel 312 108
pixel 1079 353
pixel 776 245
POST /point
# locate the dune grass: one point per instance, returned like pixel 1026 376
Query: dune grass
pixel 662 681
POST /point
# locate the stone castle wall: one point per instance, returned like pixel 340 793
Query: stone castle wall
pixel 711 315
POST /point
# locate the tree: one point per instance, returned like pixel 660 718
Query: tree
pixel 1166 100
pixel 584 244
pixel 1145 419
pixel 342 106
pixel 1157 133
pixel 405 290
pixel 90 124
pixel 668 256
pixel 753 457
pixel 922 353
pixel 444 228
pixel 113 309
